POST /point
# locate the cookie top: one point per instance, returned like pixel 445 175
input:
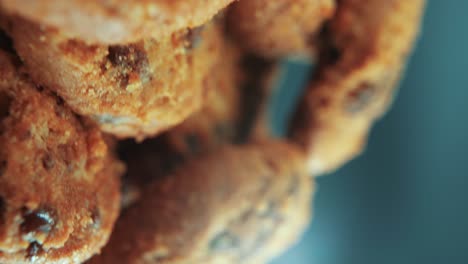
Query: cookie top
pixel 59 186
pixel 365 50
pixel 132 90
pixel 278 28
pixel 116 21
pixel 236 205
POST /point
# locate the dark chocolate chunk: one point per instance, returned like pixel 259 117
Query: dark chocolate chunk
pixel 129 59
pixel 333 55
pixel 41 220
pixel 6 43
pixel 5 104
pixel 48 162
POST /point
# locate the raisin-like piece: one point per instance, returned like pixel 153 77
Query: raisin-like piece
pixel 5 104
pixel 6 43
pixel 333 55
pixel 41 220
pixel 48 162
pixel 129 59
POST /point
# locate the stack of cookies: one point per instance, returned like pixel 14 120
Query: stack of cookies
pixel 134 131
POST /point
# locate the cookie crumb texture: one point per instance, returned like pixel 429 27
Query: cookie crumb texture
pixel 132 90
pixel 59 186
pixel 116 21
pixel 236 205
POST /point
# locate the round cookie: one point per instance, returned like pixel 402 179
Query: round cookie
pixel 135 90
pixel 236 205
pixel 278 28
pixel 116 21
pixel 368 45
pixel 59 185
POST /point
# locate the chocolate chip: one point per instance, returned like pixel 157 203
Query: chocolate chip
pixel 41 220
pixel 224 241
pixel 5 104
pixel 129 59
pixel 333 55
pixel 193 38
pixel 6 43
pixel 359 98
pixel 2 210
pixel 48 162
pixel 34 250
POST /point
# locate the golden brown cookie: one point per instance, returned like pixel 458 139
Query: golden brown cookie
pixel 59 185
pixel 280 27
pixel 236 205
pixel 116 21
pixel 369 43
pixel 134 90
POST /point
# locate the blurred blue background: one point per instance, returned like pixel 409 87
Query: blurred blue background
pixel 405 200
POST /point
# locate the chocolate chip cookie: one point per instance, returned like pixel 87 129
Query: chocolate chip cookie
pixel 236 205
pixel 368 45
pixel 134 90
pixel 59 185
